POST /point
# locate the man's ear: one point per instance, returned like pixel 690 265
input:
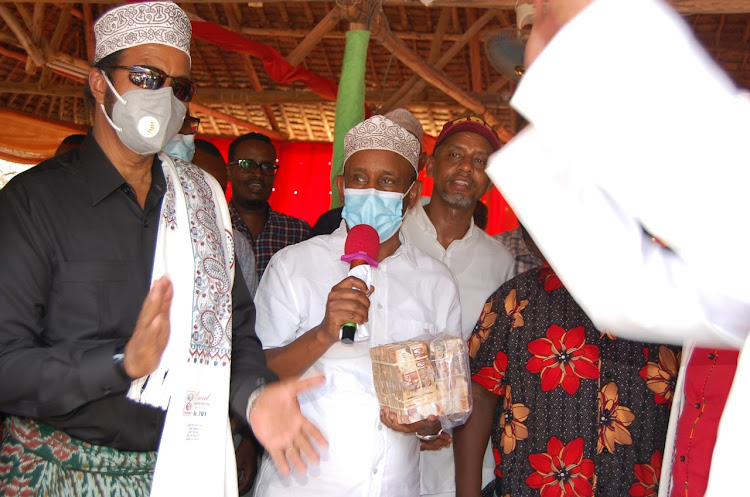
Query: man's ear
pixel 98 85
pixel 340 187
pixel 414 194
pixel 430 166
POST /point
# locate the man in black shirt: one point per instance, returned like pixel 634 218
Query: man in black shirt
pixel 80 318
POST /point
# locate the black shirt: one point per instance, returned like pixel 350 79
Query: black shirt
pixel 77 252
pixel 327 223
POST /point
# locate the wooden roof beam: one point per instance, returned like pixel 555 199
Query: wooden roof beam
pixel 686 7
pixel 247 63
pixel 475 55
pixel 23 37
pixel 237 96
pixel 208 111
pixel 435 47
pixel 449 54
pixel 435 78
pixel 330 21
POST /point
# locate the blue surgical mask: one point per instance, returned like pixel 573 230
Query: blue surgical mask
pixel 381 210
pixel 181 146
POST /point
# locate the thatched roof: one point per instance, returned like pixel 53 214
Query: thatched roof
pixel 436 51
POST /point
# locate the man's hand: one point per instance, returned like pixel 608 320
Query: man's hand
pixel 278 424
pixel 247 463
pixel 443 441
pixel 348 302
pixel 425 427
pixel 144 349
pixel 551 16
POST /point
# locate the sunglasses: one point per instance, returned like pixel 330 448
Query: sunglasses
pixel 190 125
pixel 266 168
pixel 151 78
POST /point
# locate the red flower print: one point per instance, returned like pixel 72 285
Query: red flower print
pixel 551 281
pixel 511 422
pixel 562 470
pixel 661 377
pixel 498 461
pixel 482 329
pixel 563 358
pixel 613 418
pixel 492 378
pixel 513 309
pixel 648 478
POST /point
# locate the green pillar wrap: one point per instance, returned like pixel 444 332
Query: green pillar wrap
pixel 350 103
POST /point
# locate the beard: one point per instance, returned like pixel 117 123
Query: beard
pixel 457 200
pixel 252 205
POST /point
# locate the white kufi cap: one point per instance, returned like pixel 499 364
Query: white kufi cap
pixel 380 133
pixel 136 24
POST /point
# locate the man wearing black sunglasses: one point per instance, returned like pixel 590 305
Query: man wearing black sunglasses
pixel 118 298
pixel 252 171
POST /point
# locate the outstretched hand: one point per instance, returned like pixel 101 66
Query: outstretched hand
pixel 144 349
pixel 278 424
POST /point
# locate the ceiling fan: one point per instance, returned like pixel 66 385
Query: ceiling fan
pixel 505 47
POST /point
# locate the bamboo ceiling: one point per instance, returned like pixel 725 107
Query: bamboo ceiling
pixel 428 59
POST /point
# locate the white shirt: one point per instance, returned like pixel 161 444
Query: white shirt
pixel 480 264
pixel 649 132
pixel 413 294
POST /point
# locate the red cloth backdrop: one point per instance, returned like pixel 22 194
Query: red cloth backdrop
pixel 302 187
pixel 275 64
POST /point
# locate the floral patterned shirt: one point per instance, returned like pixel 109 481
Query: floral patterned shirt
pixel 581 412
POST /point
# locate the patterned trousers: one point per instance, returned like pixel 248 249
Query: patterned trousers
pixel 39 460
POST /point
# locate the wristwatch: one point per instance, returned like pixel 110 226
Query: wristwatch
pixel 118 361
pixel 429 438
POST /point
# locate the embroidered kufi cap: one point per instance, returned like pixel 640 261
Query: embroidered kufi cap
pixel 135 24
pixel 380 133
pixel 406 120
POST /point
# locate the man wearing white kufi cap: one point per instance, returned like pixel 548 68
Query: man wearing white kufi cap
pixel 306 296
pixel 122 313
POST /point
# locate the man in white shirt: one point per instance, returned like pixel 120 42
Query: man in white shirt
pixel 305 297
pixel 680 175
pixel 443 227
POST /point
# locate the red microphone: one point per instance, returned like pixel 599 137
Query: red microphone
pixel 361 252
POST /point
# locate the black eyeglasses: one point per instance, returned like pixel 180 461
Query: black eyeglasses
pixel 266 168
pixel 190 125
pixel 151 78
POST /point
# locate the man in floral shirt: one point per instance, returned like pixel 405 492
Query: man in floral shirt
pixel 572 411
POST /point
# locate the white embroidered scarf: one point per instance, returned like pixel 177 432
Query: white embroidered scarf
pixel 194 248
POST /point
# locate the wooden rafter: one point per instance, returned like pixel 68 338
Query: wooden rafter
pixel 330 21
pixel 24 38
pixel 683 6
pixel 216 114
pixel 438 80
pixel 417 85
pixel 435 47
pixel 247 63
